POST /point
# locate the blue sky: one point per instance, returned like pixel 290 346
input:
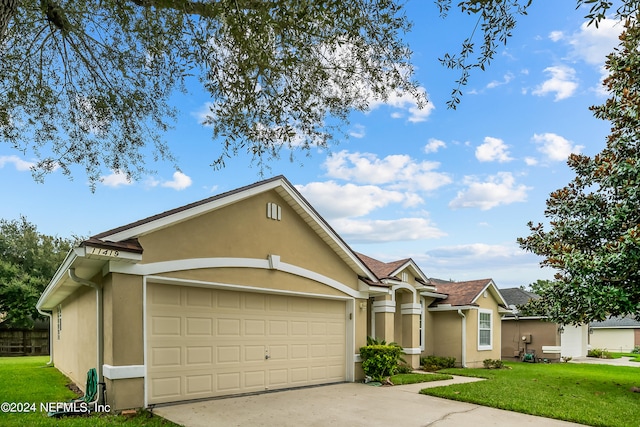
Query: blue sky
pixel 451 189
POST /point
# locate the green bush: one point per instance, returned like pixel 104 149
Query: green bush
pixel 493 364
pixel 599 353
pixel 636 349
pixel 435 363
pixel 380 361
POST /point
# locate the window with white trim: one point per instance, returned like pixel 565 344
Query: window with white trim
pixel 485 332
pixel 59 320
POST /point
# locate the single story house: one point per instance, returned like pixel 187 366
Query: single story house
pixel 535 334
pixel 248 291
pixel 619 334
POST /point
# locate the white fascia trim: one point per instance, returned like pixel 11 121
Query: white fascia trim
pixel 198 263
pixel 122 372
pixel 449 307
pixel 192 212
pixel 61 273
pixel 386 306
pixel 523 317
pixel 372 289
pixel 411 308
pixel 496 293
pixel 415 350
pixel 433 295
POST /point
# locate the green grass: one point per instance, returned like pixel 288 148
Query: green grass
pixel 402 379
pixel 596 395
pixel 29 380
pixel 635 357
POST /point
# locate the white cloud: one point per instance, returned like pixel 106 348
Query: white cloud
pixel 357 131
pixel 505 80
pixel 562 82
pixel 556 35
pixel 18 163
pixel 592 44
pixel 493 150
pixel 434 145
pixel 406 103
pixel 115 179
pixel 370 231
pixel 333 200
pixel 179 182
pixel 398 171
pixel 555 147
pixel 530 161
pixel 499 189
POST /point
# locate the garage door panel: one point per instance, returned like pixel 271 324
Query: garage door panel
pixel 199 355
pixel 219 343
pixel 199 326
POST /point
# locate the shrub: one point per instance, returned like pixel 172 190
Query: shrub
pixel 435 363
pixel 636 349
pixel 404 368
pixel 380 361
pixel 493 364
pixel 599 353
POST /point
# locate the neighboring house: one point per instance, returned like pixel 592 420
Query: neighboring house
pixel 243 292
pixel 535 335
pixel 620 334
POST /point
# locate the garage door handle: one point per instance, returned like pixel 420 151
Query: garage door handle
pixel 266 356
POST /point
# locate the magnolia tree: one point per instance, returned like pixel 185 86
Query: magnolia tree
pixel 592 237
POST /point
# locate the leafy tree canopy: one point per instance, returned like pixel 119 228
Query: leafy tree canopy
pixel 88 82
pixel 592 238
pixel 28 260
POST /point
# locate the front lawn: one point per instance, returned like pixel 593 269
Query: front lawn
pixel 596 395
pixel 413 378
pixel 26 382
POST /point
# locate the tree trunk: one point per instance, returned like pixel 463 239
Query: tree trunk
pixel 7 10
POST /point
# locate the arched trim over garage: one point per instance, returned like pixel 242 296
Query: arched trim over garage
pixel 271 263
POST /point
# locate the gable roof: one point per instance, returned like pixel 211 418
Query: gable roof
pixel 465 293
pixel 124 238
pixel 390 270
pixel 517 296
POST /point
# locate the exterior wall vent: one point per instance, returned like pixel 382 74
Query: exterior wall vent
pixel 274 211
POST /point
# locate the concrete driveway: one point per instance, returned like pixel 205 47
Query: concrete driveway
pixel 348 404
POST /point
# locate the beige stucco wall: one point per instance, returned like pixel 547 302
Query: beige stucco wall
pixel 447 335
pixel 76 350
pixel 619 340
pixel 542 334
pixel 242 230
pixel 475 357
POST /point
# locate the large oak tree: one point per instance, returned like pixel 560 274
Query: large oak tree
pixel 88 82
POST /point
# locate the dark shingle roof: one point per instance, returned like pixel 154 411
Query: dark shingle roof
pixel 460 293
pixel 517 296
pixel 616 322
pixel 382 270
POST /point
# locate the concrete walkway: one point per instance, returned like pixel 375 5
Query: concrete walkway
pixel 623 361
pixel 348 404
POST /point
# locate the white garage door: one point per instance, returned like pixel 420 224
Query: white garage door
pixel 207 342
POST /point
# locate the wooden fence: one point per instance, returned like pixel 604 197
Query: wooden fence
pixel 21 342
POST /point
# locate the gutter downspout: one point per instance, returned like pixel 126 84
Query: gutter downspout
pixel 50 316
pixel 99 322
pixel 463 360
